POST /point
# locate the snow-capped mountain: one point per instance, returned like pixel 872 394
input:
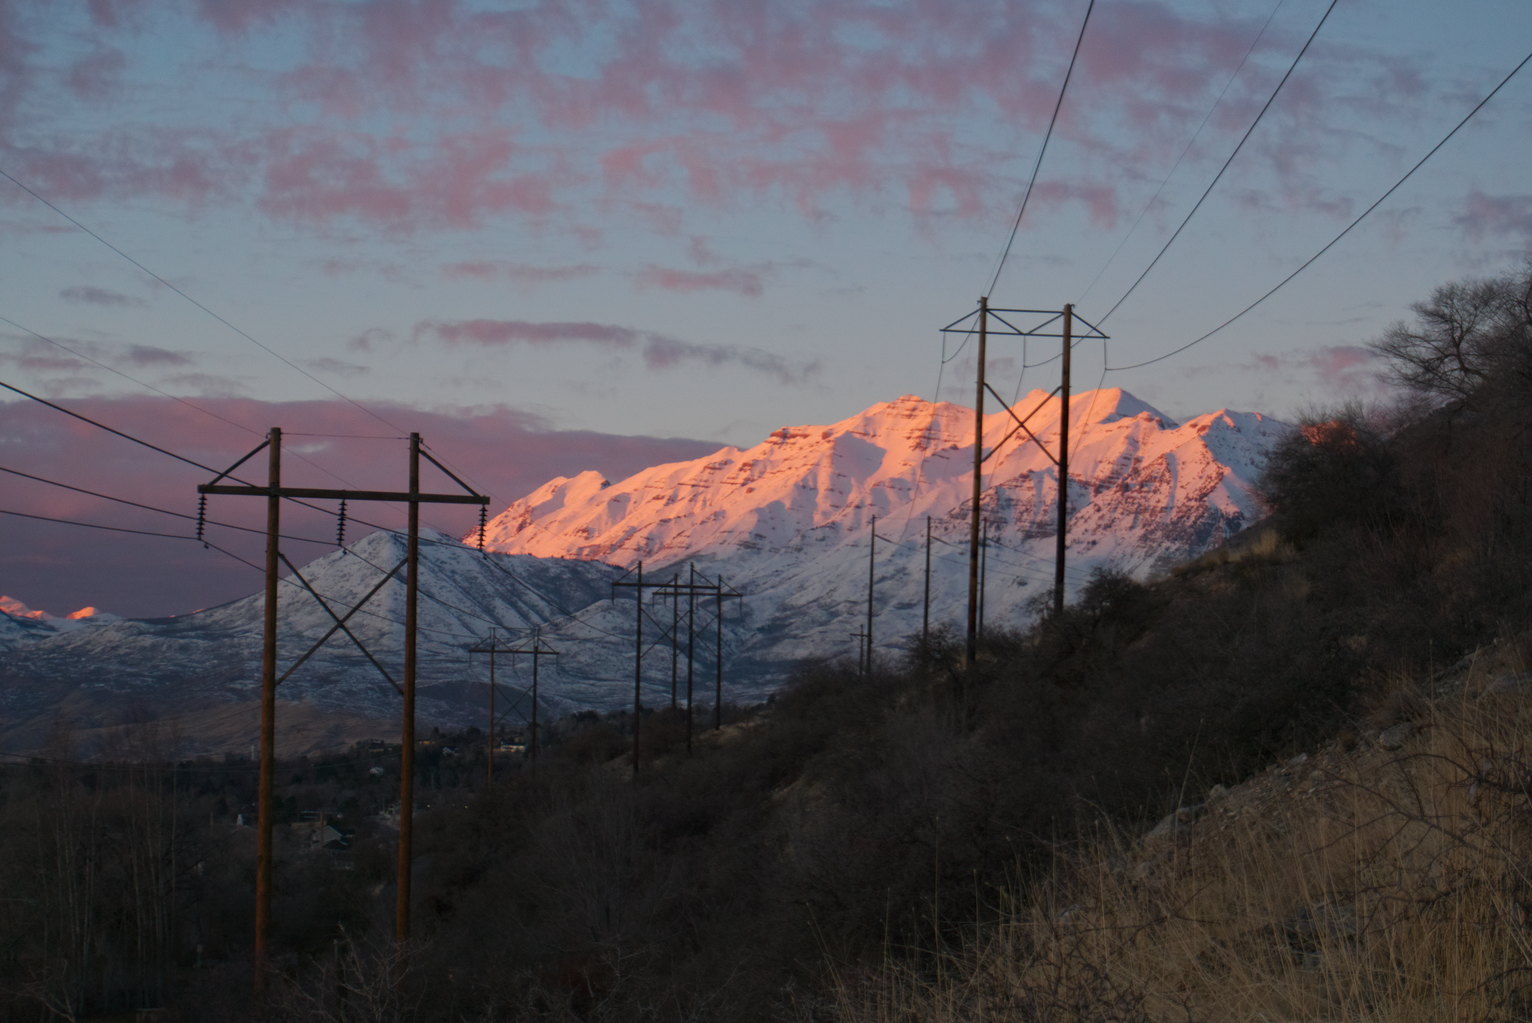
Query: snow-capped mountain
pixel 787 523
pixel 12 608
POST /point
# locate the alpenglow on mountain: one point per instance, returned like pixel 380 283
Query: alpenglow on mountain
pixel 1144 491
pixel 787 523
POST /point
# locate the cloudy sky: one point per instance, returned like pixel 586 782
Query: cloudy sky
pixel 553 236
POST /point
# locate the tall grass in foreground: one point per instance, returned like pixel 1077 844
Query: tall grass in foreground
pixel 1357 885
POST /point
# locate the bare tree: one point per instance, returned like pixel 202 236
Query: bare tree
pixel 1470 336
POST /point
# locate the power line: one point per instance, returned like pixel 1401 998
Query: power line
pixel 1347 230
pixel 1046 137
pixel 102 426
pixel 94 525
pixel 184 401
pixel 127 376
pixel 1188 148
pixel 242 333
pixel 149 507
pixel 1219 176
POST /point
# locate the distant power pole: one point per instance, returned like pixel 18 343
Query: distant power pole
pixel 983 570
pixel 490 645
pixel 692 589
pixel 536 652
pixel 872 546
pixel 1054 324
pixel 925 615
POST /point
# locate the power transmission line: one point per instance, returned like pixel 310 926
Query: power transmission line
pixel 1187 149
pixel 242 333
pixel 1219 176
pixel 1016 226
pixel 1347 230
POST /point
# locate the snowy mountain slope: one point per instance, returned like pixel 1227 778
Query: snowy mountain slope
pixel 213 656
pixel 786 522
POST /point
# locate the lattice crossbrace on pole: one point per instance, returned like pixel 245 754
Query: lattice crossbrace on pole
pixel 1065 325
pixel 274 493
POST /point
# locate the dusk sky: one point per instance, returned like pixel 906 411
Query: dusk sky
pixel 604 234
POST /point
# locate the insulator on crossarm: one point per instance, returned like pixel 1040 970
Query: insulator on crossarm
pixel 483 523
pixel 340 525
pixel 201 518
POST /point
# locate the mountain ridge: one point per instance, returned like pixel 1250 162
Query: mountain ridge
pixel 786 522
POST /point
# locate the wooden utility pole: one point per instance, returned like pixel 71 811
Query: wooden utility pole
pixel 692 589
pixel 407 730
pixel 1063 527
pixel 638 666
pixel 718 658
pixel 264 795
pixel 925 613
pixel 274 492
pixel 872 546
pixel 983 570
pixel 489 737
pixel 691 646
pixel 971 647
pixel 537 652
pixel 490 645
pixel 675 645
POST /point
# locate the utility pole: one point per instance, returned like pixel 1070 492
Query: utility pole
pixel 490 645
pixel 1046 327
pixel 265 790
pixel 693 589
pixel 1063 527
pixel 407 742
pixel 675 626
pixel 638 667
pixel 861 651
pixel 536 652
pixel 872 546
pixel 718 657
pixel 925 612
pixel 983 571
pixel 971 648
pixel 691 644
pixel 274 492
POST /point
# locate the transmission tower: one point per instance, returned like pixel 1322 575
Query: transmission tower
pixel 1061 325
pixel 275 492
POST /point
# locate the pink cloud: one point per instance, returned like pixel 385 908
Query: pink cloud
pixel 95 76
pixel 489 270
pixel 395 113
pixel 317 176
pixel 740 281
pixel 45 357
pixel 657 350
pixel 338 367
pixel 1339 371
pixel 60 568
pixel 89 294
pixel 1504 218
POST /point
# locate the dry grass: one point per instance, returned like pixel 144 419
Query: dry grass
pixel 1363 885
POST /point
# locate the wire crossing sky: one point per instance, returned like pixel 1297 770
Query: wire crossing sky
pixel 554 237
